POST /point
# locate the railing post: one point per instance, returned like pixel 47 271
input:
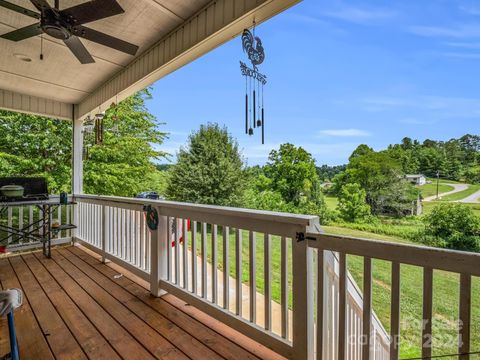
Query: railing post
pixel 303 339
pixel 158 256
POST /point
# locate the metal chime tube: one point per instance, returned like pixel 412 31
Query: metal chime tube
pixel 246 113
pixel 254 108
pixel 263 127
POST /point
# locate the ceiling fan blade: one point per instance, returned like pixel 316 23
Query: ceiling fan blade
pixel 19 9
pixel 41 5
pixel 92 10
pixel 79 50
pixel 23 33
pixel 104 39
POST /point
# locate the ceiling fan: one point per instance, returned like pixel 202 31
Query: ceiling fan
pixel 67 25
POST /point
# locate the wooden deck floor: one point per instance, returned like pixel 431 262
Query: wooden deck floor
pixel 78 308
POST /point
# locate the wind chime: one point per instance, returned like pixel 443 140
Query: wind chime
pixel 115 118
pixel 254 83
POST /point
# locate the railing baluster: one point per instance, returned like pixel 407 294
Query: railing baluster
pixel 253 276
pixel 30 217
pixel 20 217
pixel 238 272
pixel 395 312
pixel 465 316
pixel 342 311
pixel 320 299
pixel 204 260
pixel 168 236
pixel 284 286
pixel 226 268
pixel 214 263
pixel 142 244
pixel 267 273
pixel 177 251
pixel 427 312
pixel 185 253
pixel 367 308
pixel 116 217
pixel 194 256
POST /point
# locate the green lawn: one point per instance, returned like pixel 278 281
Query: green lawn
pixel 331 202
pixel 462 194
pixel 445 290
pixel 431 189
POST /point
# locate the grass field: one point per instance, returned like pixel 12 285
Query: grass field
pixel 431 189
pixel 445 290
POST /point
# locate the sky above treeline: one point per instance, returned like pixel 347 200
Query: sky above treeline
pixel 340 73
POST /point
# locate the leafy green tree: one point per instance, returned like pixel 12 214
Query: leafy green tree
pixel 351 203
pixel 123 165
pixel 454 226
pixel 383 181
pixel 361 150
pixel 292 173
pixel 210 170
pixel 36 146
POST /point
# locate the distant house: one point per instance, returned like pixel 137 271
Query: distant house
pixel 417 179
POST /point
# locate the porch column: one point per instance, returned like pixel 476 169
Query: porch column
pixel 77 158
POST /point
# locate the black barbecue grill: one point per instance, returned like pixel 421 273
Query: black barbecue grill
pixel 35 188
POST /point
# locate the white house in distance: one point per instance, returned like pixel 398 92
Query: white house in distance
pixel 417 179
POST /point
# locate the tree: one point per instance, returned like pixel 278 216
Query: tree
pixel 361 150
pixel 454 226
pixel 292 173
pixel 123 165
pixel 36 146
pixel 382 178
pixel 210 170
pixel 351 203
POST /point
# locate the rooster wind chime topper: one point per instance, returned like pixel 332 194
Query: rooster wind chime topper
pixel 254 83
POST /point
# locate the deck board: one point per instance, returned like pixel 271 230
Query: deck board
pixel 74 308
pixel 93 343
pixel 58 335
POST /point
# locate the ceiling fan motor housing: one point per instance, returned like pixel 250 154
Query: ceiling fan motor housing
pixel 54 25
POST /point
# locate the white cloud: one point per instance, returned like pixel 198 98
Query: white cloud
pixel 442 107
pixel 360 15
pixel 464 45
pixel 345 133
pixel 470 9
pixel 458 31
pixel 414 121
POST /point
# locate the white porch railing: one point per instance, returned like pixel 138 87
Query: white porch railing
pixel 28 217
pixel 217 252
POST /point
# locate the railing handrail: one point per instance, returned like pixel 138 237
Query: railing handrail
pixel 409 254
pixel 297 219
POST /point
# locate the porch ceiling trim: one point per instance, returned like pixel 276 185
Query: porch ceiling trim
pixel 35 105
pixel 218 22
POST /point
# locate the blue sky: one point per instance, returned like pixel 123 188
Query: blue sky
pixel 340 73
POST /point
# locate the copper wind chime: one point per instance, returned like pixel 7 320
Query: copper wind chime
pixel 254 83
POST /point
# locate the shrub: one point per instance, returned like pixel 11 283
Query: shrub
pixel 351 203
pixel 453 226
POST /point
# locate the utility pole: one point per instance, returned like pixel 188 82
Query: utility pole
pixel 438 178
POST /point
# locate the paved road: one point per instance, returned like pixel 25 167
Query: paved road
pixel 474 198
pixel 457 188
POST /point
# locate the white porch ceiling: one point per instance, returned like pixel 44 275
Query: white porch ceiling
pixel 169 33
